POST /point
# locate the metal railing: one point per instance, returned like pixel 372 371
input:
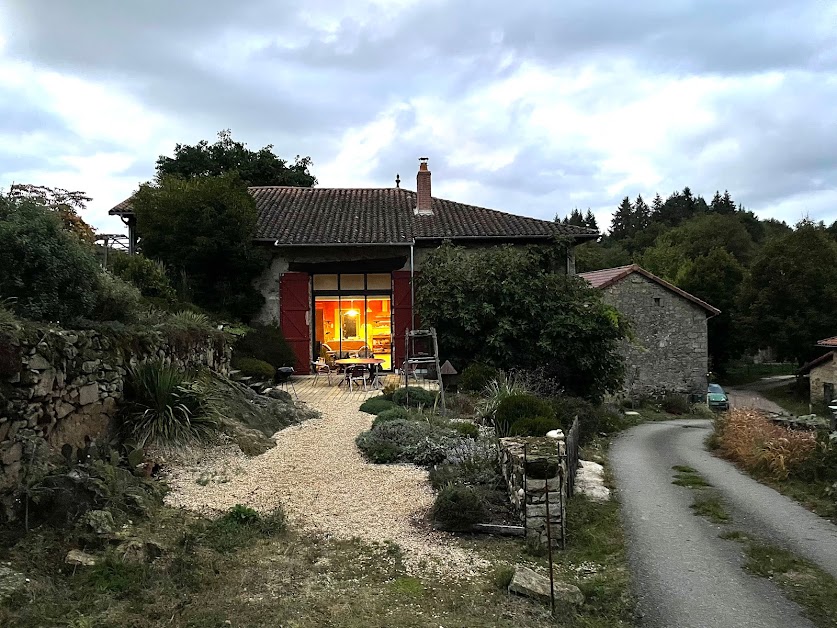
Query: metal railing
pixel 572 456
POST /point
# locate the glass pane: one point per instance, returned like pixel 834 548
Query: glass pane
pixel 352 325
pixel 379 329
pixel 326 331
pixel 379 282
pixel 325 282
pixel 351 282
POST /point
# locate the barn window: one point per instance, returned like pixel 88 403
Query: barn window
pixel 657 301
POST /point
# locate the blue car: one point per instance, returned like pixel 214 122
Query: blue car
pixel 716 398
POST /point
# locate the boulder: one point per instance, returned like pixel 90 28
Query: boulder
pixel 101 522
pixel 77 557
pixel 135 551
pixel 10 582
pixel 278 393
pixel 589 480
pixel 88 394
pixel 527 582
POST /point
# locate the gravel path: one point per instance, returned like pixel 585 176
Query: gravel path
pixel 318 475
pixel 684 575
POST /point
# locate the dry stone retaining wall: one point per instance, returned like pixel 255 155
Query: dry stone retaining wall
pixel 530 465
pixel 60 387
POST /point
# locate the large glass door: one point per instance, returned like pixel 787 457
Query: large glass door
pixel 353 316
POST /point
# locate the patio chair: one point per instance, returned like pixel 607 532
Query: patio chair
pixel 358 374
pixel 363 352
pixel 320 368
pixel 283 378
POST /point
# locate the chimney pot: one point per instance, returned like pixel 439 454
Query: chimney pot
pixel 424 200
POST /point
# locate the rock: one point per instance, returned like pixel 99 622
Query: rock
pixel 589 480
pixel 46 384
pixel 10 582
pixel 527 582
pixel 631 413
pixel 88 394
pixel 62 409
pixel 77 557
pixel 12 454
pixel 559 434
pixel 39 363
pixel 277 393
pixel 100 521
pixel 135 551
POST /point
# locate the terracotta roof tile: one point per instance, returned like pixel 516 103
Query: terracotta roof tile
pixel 609 276
pixel 828 342
pixel 294 215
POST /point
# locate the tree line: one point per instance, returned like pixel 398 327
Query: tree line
pixel 775 284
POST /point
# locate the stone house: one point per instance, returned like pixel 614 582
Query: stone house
pixel 669 352
pixel 344 259
pixel 822 374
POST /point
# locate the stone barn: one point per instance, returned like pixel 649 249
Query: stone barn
pixel 669 352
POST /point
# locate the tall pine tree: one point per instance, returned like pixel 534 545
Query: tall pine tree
pixel 590 220
pixel 620 226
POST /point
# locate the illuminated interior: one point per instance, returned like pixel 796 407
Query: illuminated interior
pixel 346 324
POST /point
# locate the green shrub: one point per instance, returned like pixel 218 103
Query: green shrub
pixel 479 471
pixel 149 276
pixel 475 377
pixel 536 426
pixel 240 526
pixel 161 408
pixel 267 343
pixel 458 508
pixel 254 368
pixel 466 428
pixel 418 397
pixel 675 404
pixel 502 386
pixel 821 464
pixel 502 576
pixel 376 405
pixel 514 408
pixel 391 414
pixel 116 300
pixel 51 274
pixel 403 440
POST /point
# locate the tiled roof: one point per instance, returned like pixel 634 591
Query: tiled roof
pixel 828 342
pixel 294 216
pixel 609 276
pixel 823 359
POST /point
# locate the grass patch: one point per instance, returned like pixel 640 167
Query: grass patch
pixel 818 497
pixel 794 401
pixel 710 506
pixel 732 535
pixel 690 479
pixel 407 586
pixel 681 468
pixel 747 373
pixel 800 580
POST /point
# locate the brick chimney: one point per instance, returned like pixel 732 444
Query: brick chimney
pixel 424 206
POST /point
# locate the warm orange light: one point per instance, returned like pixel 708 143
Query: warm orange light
pixel 352 313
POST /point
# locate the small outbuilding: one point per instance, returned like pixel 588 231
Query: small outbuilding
pixel 669 351
pixel 822 374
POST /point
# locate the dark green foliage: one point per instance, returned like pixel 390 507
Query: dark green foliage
pixel 376 405
pixel 502 576
pixel 675 404
pixel 148 276
pixel 821 465
pixel 267 343
pixel 202 229
pixel 403 440
pixel 254 367
pixel 116 299
pixel 240 526
pixel 593 419
pixel 160 407
pixel 260 167
pixel 506 307
pixel 535 426
pixel 125 579
pixel 466 428
pixel 478 472
pixel 518 407
pixel 458 508
pixel 390 414
pixel 51 274
pixel 475 377
pixel 417 397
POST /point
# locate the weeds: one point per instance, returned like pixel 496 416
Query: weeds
pixel 710 506
pixel 689 479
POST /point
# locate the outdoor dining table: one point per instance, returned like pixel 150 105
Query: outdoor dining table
pixel 361 361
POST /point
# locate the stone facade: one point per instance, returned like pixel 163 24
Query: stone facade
pixel 62 387
pixel 531 465
pixel 823 379
pixel 670 350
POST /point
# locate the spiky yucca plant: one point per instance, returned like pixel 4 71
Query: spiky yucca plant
pixel 162 409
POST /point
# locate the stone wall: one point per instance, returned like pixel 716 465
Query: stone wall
pixel 62 387
pixel 669 352
pixel 530 465
pixel 820 377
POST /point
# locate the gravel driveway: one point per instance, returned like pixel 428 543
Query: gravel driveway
pixel 684 575
pixel 317 473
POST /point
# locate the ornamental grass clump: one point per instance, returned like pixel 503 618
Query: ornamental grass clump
pixel 162 409
pixel 750 439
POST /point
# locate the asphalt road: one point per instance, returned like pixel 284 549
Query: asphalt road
pixel 684 575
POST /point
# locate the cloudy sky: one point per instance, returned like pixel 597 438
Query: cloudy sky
pixel 532 107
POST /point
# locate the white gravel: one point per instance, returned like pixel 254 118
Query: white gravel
pixel 318 475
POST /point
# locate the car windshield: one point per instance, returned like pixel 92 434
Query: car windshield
pixel 715 388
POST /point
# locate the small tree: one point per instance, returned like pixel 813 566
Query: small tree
pixel 503 306
pixel 50 273
pixel 65 203
pixel 202 228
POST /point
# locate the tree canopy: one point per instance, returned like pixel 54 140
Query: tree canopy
pixel 65 203
pixel 503 306
pixel 202 230
pixel 261 167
